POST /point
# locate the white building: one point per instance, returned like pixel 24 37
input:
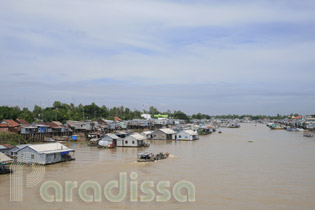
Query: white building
pixel 146 116
pixel 164 134
pixel 134 140
pixel 187 135
pixel 41 153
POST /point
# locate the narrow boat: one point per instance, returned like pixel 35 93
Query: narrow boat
pixel 150 157
pixel 50 140
pixel 4 169
pixel 308 135
pixel 276 127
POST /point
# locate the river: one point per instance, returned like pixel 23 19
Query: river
pixel 248 168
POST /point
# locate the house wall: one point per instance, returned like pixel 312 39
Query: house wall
pixel 53 158
pixel 158 135
pixel 4 129
pixel 184 136
pixel 28 155
pixel 120 142
pixel 129 141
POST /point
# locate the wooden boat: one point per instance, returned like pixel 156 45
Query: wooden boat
pixel 276 127
pixel 4 169
pixel 150 157
pixel 233 125
pixel 50 140
pixel 308 135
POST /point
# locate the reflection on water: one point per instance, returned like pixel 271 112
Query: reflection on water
pixel 275 171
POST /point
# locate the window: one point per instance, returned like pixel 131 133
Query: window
pixel 179 136
pixel 55 155
pixel 32 156
pixel 126 142
pixel 133 142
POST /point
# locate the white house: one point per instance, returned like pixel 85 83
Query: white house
pixel 109 140
pixel 164 134
pixel 134 140
pixel 187 135
pixel 147 134
pixel 41 153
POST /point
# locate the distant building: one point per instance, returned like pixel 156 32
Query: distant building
pixel 9 126
pixel 22 122
pixel 146 116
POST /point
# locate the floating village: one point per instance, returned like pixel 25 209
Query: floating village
pixel 45 139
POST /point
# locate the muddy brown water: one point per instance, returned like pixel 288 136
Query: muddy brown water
pixel 247 168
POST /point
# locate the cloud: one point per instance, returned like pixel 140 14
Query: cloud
pixel 159 50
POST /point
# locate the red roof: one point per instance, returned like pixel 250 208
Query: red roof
pixel 9 146
pixel 9 124
pixel 23 122
pixel 117 119
pixel 298 117
pixel 50 124
pixel 3 125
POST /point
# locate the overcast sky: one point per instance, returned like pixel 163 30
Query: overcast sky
pixel 209 56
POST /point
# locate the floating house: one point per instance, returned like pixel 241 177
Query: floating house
pixel 187 135
pixel 164 134
pixel 147 134
pixel 134 140
pixel 109 141
pixel 42 153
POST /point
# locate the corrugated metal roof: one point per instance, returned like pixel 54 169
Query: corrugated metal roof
pixel 22 121
pixel 22 146
pixel 167 131
pixel 190 132
pixel 10 123
pixel 57 123
pixel 4 158
pixel 113 136
pixel 50 148
pixel 147 132
pixel 138 136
